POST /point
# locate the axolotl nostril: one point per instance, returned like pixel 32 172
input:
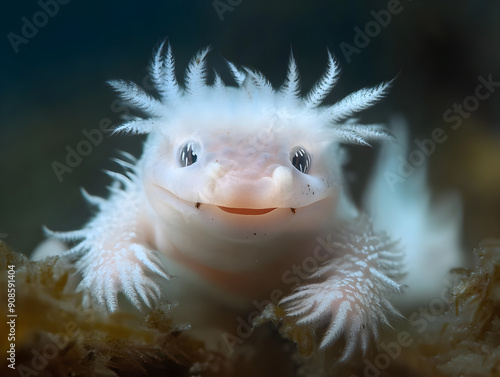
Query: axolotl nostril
pixel 238 185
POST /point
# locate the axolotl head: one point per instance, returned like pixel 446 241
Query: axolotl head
pixel 242 165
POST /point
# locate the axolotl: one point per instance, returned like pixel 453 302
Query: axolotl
pixel 237 187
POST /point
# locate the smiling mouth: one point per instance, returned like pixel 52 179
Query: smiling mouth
pixel 232 210
pixel 246 211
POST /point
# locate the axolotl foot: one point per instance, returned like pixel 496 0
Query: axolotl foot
pixel 351 292
pixel 132 269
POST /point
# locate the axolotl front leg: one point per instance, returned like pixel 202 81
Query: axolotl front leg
pixel 351 291
pixel 113 252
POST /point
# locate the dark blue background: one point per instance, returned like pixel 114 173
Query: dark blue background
pixel 54 87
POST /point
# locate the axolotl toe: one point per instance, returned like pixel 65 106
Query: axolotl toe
pixel 239 186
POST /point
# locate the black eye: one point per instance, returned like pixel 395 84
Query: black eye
pixel 301 159
pixel 187 154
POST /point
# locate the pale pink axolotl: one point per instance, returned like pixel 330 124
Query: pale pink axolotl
pixel 234 190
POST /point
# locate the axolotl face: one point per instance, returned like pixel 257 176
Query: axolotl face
pixel 236 183
pixel 241 180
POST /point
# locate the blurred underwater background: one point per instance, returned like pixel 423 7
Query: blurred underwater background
pixel 53 87
pixel 55 59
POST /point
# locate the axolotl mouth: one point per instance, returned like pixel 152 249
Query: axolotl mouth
pixel 246 211
pixel 236 220
pixel 166 194
pixel 234 237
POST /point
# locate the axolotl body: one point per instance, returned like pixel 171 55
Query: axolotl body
pixel 237 187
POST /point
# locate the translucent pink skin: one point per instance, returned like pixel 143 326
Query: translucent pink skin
pixel 240 170
pixel 227 230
